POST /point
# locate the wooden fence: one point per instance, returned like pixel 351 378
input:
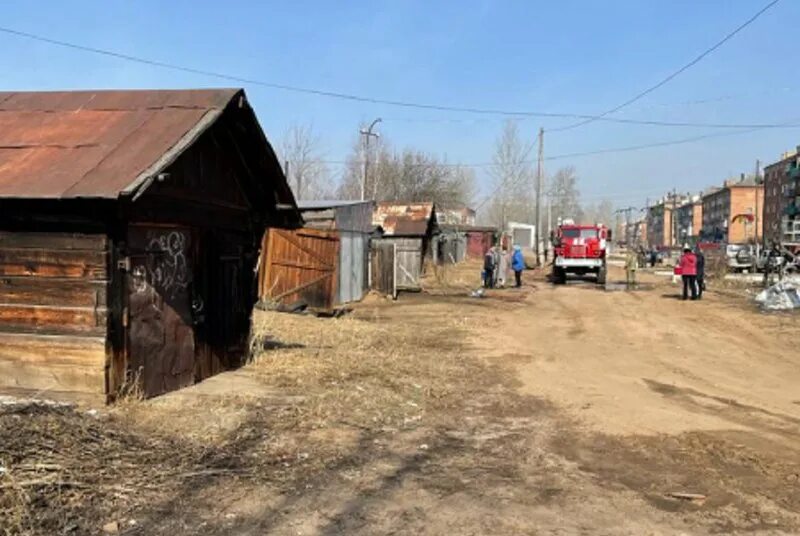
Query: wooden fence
pixel 299 265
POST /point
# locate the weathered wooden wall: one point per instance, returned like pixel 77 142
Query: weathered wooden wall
pixel 53 310
pixel 299 265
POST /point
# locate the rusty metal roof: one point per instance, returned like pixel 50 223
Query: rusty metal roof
pixel 404 219
pixel 97 144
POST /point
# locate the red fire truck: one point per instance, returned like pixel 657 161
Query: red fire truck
pixel 580 250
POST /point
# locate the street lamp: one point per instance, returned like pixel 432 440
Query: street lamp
pixel 367 135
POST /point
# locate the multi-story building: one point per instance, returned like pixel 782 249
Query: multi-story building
pixel 732 213
pixel 689 219
pixel 782 199
pixel 661 223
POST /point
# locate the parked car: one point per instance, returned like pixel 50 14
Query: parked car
pixel 740 257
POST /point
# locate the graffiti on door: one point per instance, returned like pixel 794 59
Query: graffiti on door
pixel 167 267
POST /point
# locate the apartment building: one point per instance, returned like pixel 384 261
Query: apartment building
pixel 732 214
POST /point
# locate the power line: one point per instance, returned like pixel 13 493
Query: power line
pixel 666 80
pixel 793 124
pixel 374 100
pixel 651 122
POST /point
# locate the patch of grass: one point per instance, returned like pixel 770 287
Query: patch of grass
pixel 365 373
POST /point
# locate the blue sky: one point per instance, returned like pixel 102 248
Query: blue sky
pixel 570 56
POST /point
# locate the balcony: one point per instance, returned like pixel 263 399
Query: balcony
pixel 793 172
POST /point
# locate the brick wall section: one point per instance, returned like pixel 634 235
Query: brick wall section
pixel 697 217
pixel 745 200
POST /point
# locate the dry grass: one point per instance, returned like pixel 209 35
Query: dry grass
pixel 359 372
pixel 450 278
pixel 346 380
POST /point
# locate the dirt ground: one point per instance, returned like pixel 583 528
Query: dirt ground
pixel 545 410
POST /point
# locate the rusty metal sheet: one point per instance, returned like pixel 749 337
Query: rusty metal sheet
pixel 404 219
pixel 92 143
pixel 49 101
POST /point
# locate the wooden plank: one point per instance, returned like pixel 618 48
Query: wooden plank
pixel 52 263
pixel 53 241
pixel 66 350
pixel 52 291
pixel 53 319
pixel 43 363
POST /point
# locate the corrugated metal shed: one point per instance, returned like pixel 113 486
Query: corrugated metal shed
pixel 99 144
pixel 352 222
pixel 405 219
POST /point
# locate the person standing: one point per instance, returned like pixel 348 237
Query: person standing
pixel 701 272
pixel 488 269
pixel 496 254
pixel 517 264
pixel 688 265
pixel 631 264
pixel 502 271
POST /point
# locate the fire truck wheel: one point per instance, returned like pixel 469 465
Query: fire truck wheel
pixel 559 276
pixel 601 276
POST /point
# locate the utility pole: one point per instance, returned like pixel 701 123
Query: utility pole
pixel 539 181
pixel 367 135
pixel 757 213
pixel 627 211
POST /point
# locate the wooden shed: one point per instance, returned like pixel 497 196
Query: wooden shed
pixel 458 242
pixel 130 223
pixel 323 264
pixel 409 228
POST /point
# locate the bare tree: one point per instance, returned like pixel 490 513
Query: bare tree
pixel 564 195
pixel 306 172
pixel 602 212
pixel 512 179
pixel 410 175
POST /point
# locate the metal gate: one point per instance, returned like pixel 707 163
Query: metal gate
pixel 160 336
pixel 299 265
pixel 353 247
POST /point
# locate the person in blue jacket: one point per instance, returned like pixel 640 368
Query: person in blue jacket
pixel 517 264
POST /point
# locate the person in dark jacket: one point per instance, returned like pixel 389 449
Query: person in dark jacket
pixel 488 269
pixel 517 264
pixel 701 273
pixel 688 265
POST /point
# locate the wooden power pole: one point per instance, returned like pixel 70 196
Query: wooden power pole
pixel 539 185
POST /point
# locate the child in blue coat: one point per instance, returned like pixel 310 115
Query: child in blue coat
pixel 517 264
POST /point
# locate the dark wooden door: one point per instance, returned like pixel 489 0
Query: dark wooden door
pixel 161 344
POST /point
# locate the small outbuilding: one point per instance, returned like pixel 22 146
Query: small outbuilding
pixel 409 229
pixel 323 264
pixel 130 226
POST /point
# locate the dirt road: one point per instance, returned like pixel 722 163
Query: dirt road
pixel 546 410
pixel 646 362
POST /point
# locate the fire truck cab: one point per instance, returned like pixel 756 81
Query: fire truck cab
pixel 580 250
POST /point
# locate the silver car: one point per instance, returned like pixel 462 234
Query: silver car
pixel 740 257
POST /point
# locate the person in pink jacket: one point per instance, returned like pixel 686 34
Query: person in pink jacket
pixel 688 266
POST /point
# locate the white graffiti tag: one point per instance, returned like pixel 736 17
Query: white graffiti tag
pixel 169 271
